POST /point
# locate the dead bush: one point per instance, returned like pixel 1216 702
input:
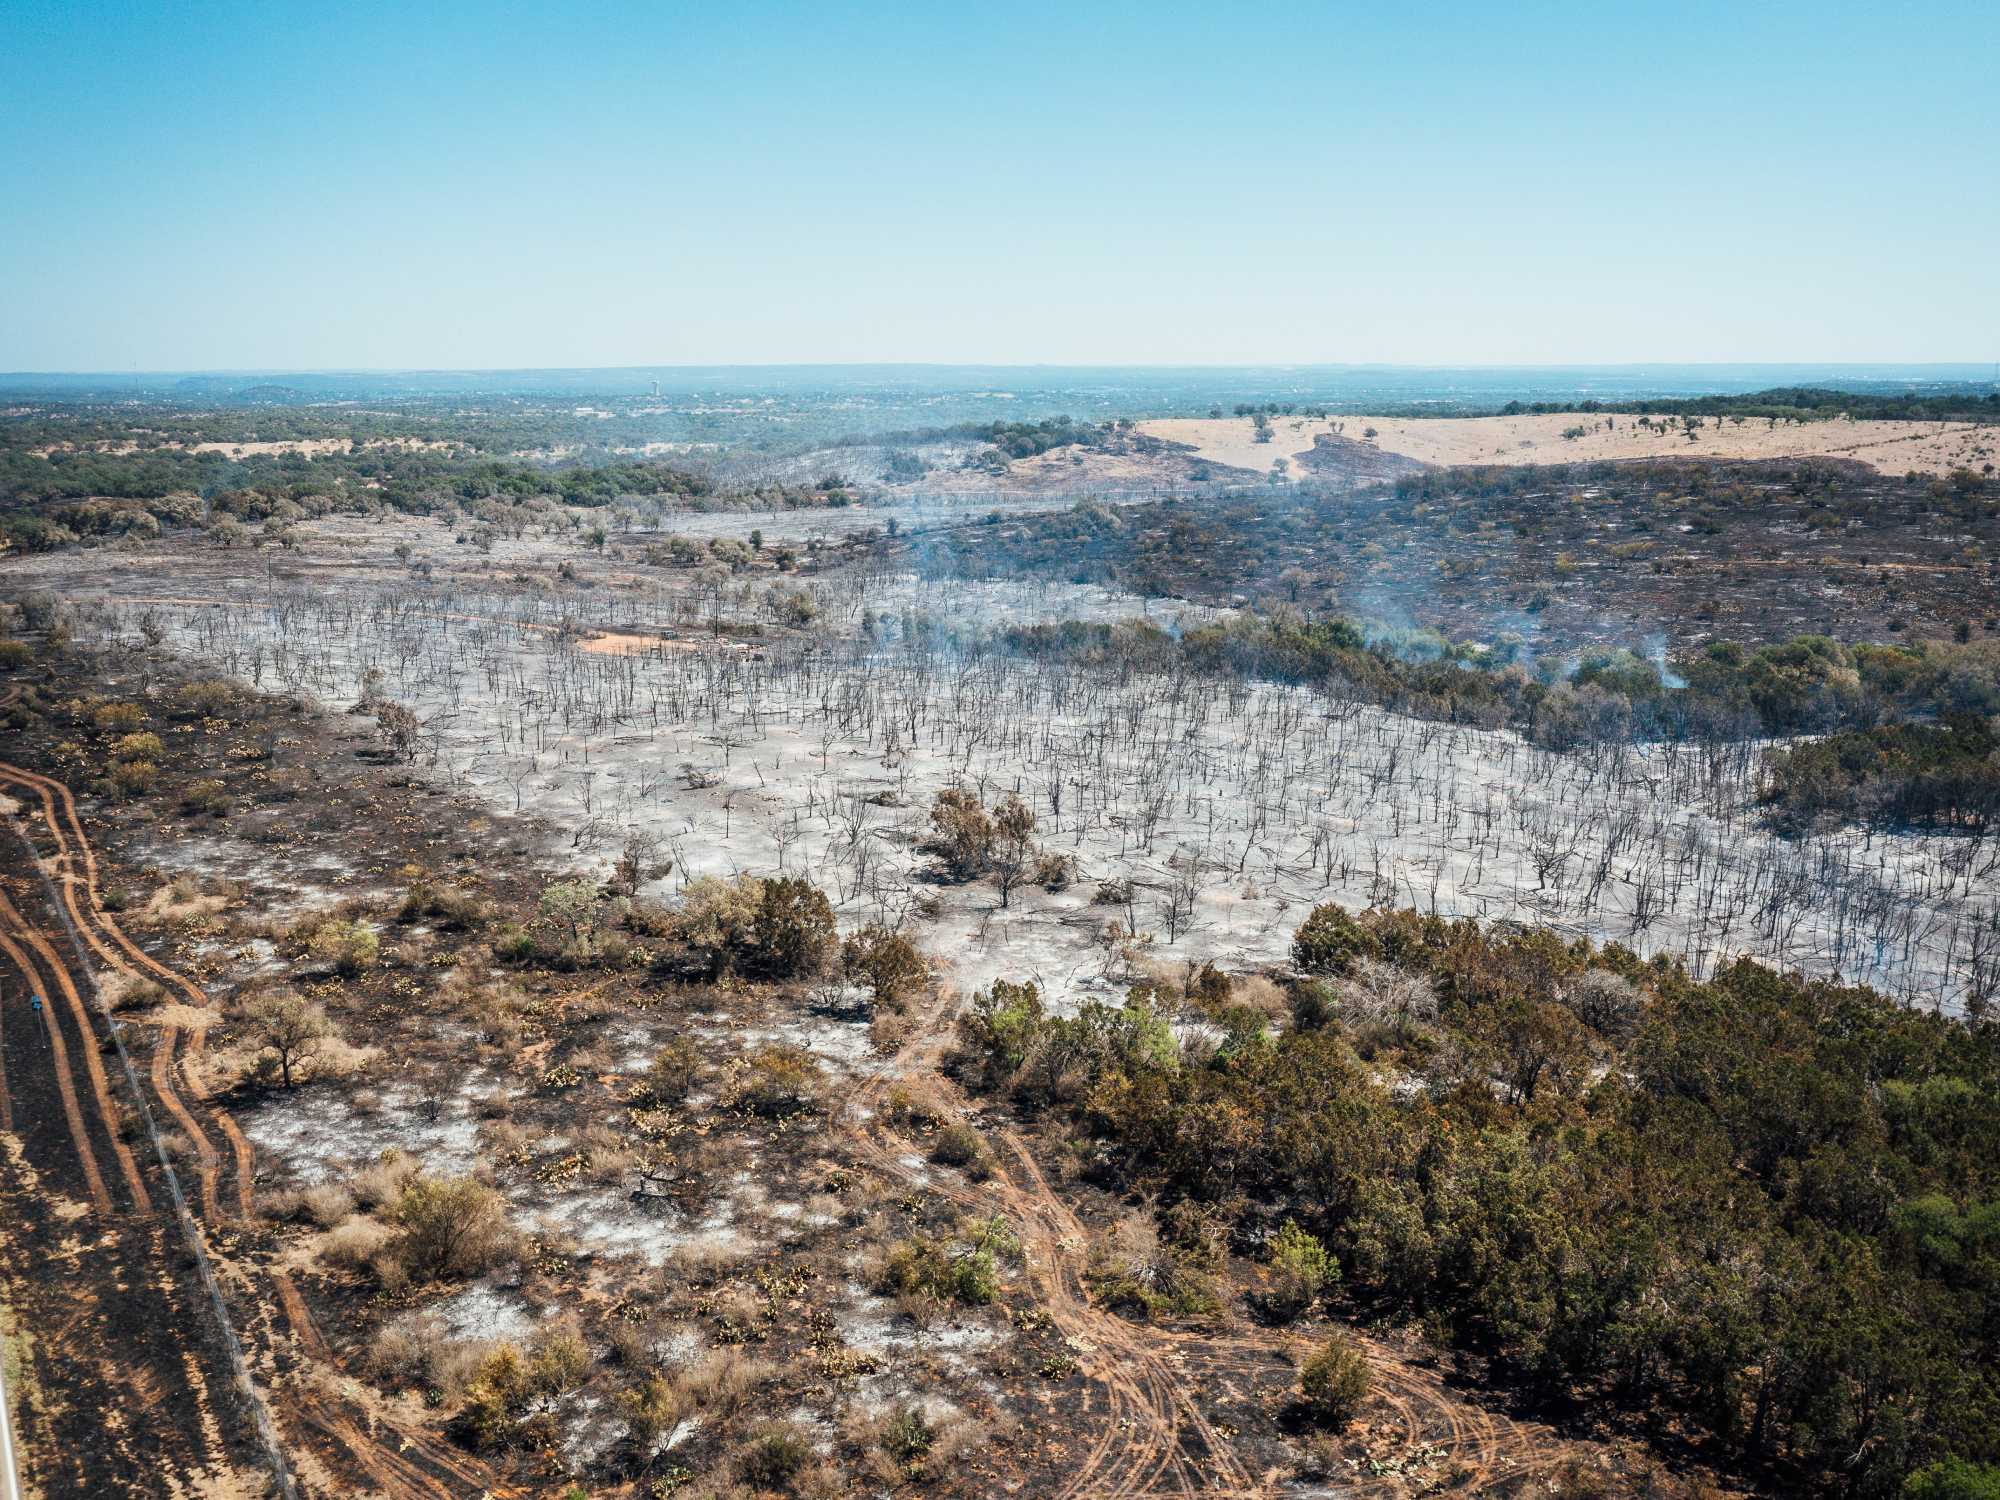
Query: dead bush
pixel 355 1244
pixel 1607 1003
pixel 418 1350
pixel 776 1081
pixel 380 1185
pixel 675 1070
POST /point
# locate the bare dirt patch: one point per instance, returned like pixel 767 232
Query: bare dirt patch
pixel 1892 447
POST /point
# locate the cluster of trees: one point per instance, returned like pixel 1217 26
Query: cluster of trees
pixel 778 928
pixel 1015 439
pixel 1944 775
pixel 972 841
pixel 1272 409
pixel 1770 1205
pixel 1806 685
pixel 59 497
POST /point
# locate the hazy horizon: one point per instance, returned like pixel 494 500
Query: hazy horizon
pixel 1973 370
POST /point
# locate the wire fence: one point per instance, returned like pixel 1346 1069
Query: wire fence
pixel 284 1485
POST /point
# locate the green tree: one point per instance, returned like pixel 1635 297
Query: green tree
pixel 793 929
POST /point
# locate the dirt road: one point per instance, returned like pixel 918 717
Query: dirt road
pixel 144 1387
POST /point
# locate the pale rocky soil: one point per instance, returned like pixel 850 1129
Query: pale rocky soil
pixel 1890 447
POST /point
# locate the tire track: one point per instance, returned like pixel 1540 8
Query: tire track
pixel 122 954
pixel 75 867
pixel 118 1373
pixel 1153 1437
pixel 64 1076
pixel 1150 1386
pixel 93 1061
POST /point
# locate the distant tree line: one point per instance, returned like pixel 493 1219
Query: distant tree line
pixel 1792 403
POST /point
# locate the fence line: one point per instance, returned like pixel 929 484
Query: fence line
pixel 260 1413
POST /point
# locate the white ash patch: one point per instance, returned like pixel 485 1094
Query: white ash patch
pixel 607 1221
pixel 591 1431
pixel 320 1137
pixel 485 1312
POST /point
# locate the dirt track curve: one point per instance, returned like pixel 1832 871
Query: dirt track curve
pixel 340 1449
pixel 1152 1389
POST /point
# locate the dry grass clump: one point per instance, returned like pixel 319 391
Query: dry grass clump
pixel 889 1029
pixel 183 900
pixel 417 1350
pixel 495 1007
pixel 716 1387
pixel 701 1265
pixel 323 1206
pixel 607 1156
pixel 779 1456
pixel 122 991
pixel 958 1144
pixel 356 1245
pixel 637 1345
pixel 448 907
pixel 911 1443
pixel 675 1071
pixel 504 1139
pixel 776 1081
pixel 1264 995
pixel 927 1271
pixel 722 1381
pixel 510 1400
pixel 376 1187
pixel 1134 1270
pixel 915 1103
pixel 347 943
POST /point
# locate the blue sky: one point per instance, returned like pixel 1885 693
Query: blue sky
pixel 442 185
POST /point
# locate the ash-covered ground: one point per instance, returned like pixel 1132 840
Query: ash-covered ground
pixel 804 723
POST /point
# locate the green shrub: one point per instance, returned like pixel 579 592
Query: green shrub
pixel 1333 1383
pixel 957 1144
pixel 1329 941
pixel 451 1227
pixel 940 1270
pixel 793 930
pixel 1301 1270
pixel 1953 1479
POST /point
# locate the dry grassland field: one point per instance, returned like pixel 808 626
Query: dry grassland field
pixel 1890 447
